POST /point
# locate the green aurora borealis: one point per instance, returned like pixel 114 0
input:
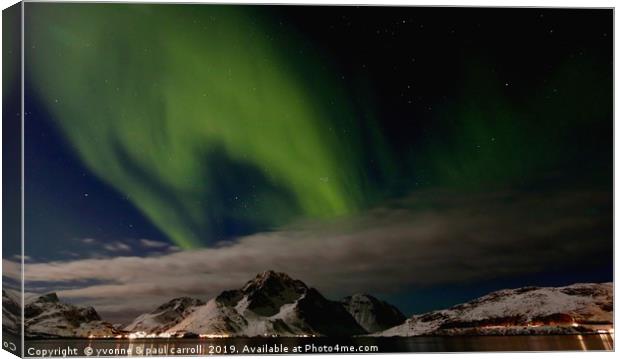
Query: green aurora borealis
pixel 220 121
pixel 145 107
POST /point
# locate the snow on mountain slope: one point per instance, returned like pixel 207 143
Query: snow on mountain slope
pixel 213 319
pixel 270 304
pixel 46 316
pixel 165 316
pixel 532 309
pixel 371 313
pixel 11 313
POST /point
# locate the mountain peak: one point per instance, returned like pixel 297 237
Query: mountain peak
pixel 271 282
pixel 269 290
pixel 179 304
pixel 166 315
pixel 270 303
pixel 270 273
pixel 271 276
pixel 47 298
pixel 45 316
pixel 372 313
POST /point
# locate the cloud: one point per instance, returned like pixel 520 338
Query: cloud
pixel 97 248
pixel 147 243
pixel 18 257
pixel 428 239
pixel 11 269
pixel 117 247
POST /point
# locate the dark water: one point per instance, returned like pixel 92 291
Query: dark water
pixel 160 347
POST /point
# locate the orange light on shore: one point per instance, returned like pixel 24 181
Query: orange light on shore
pixel 211 336
pixel 137 335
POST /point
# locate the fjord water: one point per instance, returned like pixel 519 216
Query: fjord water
pixel 205 346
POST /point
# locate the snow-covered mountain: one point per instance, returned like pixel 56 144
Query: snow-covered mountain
pixel 165 316
pixel 273 304
pixel 46 316
pixel 270 304
pixel 11 313
pixel 371 313
pixel 572 309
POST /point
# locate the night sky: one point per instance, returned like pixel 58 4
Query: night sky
pixel 155 131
